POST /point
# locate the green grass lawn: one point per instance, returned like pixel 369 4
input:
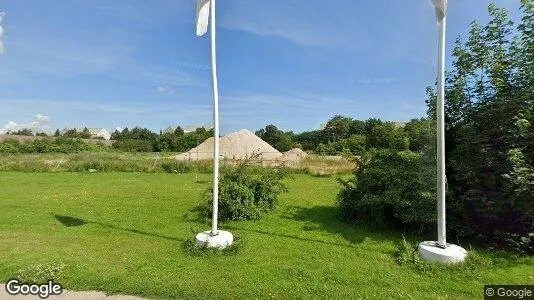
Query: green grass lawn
pixel 125 233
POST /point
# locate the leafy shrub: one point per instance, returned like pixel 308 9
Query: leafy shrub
pixel 9 146
pixel 49 145
pixel 390 189
pixel 355 143
pixel 522 244
pixel 328 149
pixel 109 163
pixel 133 145
pixel 407 254
pixel 499 218
pixel 248 192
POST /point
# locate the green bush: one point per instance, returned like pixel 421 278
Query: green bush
pixel 390 189
pixel 329 149
pixel 10 146
pixel 355 143
pixel 248 192
pixel 49 145
pixel 522 244
pixel 133 145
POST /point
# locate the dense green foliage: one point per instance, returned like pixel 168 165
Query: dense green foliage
pixel 49 145
pixel 490 131
pixel 275 137
pixel 392 189
pixel 248 192
pixel 25 131
pixel 143 140
pixel 341 136
pixel 489 144
pixel 74 133
pixel 345 135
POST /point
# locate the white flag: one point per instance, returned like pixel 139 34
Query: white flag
pixel 441 9
pixel 2 15
pixel 203 13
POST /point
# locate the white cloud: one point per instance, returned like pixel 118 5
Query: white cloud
pixel 163 89
pixel 12 126
pixel 42 119
pixel 40 124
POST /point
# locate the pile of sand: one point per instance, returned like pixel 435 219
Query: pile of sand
pixel 237 145
pixel 293 155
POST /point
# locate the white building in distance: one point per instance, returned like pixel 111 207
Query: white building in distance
pixel 99 133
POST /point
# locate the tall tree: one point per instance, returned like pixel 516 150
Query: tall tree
pixel 276 138
pixel 338 128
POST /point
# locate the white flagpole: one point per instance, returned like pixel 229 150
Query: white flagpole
pixel 439 250
pixel 214 230
pixel 440 111
pixel 215 238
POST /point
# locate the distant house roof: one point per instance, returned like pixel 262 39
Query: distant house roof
pixel 99 133
pixel 399 124
pixel 94 131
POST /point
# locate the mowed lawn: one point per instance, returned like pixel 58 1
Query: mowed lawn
pixel 125 233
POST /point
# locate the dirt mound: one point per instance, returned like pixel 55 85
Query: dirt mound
pixel 237 145
pixel 293 155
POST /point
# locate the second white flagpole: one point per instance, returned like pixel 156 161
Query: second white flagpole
pixel 440 111
pixel 214 230
pixel 439 250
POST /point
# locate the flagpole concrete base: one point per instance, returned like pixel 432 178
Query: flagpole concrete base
pixel 222 240
pixel 450 255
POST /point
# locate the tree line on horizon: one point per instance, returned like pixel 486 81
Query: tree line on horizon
pixel 341 135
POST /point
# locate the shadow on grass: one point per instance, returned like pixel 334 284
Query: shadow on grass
pixel 327 219
pixel 198 214
pixel 69 221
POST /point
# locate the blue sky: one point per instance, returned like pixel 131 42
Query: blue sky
pixel 109 63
